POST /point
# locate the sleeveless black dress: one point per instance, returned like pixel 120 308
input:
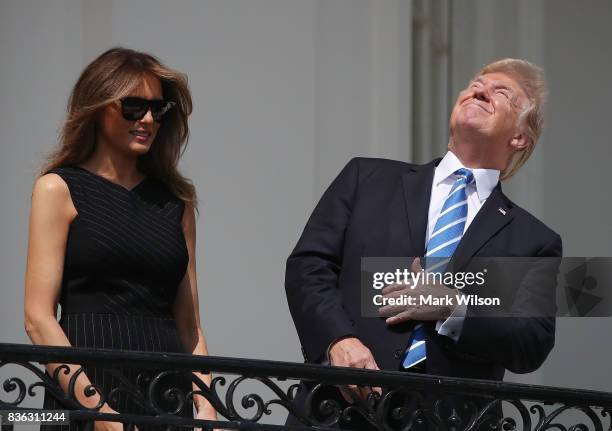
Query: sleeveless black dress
pixel 125 257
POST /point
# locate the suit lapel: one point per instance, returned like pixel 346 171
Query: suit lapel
pixel 492 217
pixel 417 193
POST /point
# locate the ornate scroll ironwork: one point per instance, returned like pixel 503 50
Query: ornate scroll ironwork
pixel 401 401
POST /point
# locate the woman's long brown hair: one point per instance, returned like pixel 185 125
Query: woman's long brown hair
pixel 111 76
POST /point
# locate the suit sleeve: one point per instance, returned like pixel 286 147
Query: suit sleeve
pixel 519 339
pixel 313 268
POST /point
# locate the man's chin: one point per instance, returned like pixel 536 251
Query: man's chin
pixel 469 125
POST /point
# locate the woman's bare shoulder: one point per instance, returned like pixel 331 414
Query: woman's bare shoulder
pixel 52 193
pixel 50 185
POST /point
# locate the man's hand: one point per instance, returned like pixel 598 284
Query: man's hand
pixel 439 293
pixel 350 352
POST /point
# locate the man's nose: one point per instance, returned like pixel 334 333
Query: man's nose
pixel 482 93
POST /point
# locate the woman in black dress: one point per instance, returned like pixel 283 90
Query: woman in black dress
pixel 112 230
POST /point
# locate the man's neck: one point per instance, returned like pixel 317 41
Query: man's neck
pixel 472 156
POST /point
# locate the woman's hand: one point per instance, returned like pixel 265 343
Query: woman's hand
pixel 205 411
pixel 109 426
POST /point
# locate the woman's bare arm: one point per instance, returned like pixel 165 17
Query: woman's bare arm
pixel 186 309
pixel 51 213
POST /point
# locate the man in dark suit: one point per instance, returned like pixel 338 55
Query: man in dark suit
pixel 379 207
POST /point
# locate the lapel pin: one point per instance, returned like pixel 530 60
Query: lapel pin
pixel 501 210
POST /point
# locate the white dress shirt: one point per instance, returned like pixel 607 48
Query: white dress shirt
pixel 485 181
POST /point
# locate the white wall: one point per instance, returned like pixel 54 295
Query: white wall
pixel 42 53
pixel 576 170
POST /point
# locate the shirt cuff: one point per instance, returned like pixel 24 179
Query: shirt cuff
pixel 453 325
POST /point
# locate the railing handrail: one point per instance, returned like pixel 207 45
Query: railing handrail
pixel 299 371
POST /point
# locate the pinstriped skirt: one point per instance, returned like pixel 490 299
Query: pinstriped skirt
pixel 125 332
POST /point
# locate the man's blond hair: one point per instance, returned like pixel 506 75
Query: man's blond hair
pixel 531 79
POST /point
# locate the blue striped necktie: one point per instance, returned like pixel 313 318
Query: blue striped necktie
pixel 441 245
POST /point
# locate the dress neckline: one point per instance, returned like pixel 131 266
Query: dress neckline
pixel 129 190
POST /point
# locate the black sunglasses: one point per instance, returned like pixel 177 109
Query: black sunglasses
pixel 135 108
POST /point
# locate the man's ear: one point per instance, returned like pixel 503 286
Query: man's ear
pixel 519 142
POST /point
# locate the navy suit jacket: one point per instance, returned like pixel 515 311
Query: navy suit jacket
pixel 378 207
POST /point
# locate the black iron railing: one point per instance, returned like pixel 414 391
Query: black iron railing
pixel 406 401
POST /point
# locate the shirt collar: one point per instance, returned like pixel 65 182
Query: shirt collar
pixel 485 179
